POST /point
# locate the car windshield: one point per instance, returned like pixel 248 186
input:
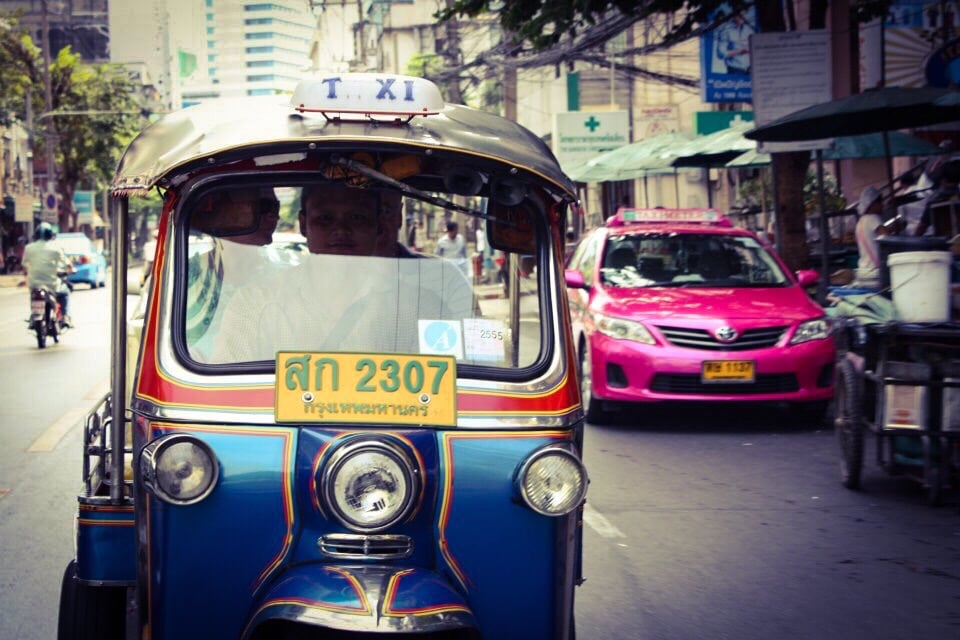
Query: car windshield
pixel 688 260
pixel 406 282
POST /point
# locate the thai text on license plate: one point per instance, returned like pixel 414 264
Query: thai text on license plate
pixel 395 389
pixel 727 371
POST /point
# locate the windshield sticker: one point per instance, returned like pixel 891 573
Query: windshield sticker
pixel 441 337
pixel 484 339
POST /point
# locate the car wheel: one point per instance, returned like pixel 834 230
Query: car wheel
pixel 89 613
pixel 594 408
pixel 848 424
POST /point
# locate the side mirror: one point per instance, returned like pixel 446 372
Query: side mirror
pixel 574 279
pixel 808 277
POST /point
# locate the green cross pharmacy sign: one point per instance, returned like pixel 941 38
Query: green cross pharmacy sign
pixel 581 135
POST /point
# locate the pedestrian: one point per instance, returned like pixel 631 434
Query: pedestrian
pixel 453 247
pixel 869 228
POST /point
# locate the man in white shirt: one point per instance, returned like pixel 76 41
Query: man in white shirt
pixel 44 261
pixel 453 247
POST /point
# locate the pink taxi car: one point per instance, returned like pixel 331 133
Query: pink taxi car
pixel 680 305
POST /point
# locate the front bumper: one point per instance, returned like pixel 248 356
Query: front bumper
pixel 364 598
pixel 626 371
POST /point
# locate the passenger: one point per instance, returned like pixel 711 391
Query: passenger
pixel 347 296
pixel 232 262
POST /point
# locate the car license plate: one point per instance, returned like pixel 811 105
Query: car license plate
pixel 36 307
pixel 366 388
pixel 727 371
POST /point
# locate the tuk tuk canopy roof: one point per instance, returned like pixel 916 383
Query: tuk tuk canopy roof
pixel 270 125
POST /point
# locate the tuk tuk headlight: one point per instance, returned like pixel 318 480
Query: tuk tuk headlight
pixel 369 485
pixel 552 481
pixel 179 469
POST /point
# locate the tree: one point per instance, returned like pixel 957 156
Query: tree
pixel 95 110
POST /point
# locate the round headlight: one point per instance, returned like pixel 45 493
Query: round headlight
pixel 179 469
pixel 369 485
pixel 552 481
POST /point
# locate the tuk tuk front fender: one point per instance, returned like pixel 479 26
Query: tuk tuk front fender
pixel 358 598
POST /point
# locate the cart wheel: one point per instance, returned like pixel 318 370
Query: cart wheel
pixel 592 406
pixel 848 424
pixel 90 613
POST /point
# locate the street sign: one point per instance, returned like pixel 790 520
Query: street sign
pixel 83 205
pixel 50 211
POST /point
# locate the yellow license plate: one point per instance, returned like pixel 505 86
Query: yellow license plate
pixel 727 371
pixel 366 388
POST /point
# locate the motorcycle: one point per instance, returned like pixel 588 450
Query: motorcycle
pixel 46 315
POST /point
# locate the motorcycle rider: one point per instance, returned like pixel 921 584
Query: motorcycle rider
pixel 43 261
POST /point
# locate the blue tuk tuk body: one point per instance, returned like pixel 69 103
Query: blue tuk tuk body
pixel 252 501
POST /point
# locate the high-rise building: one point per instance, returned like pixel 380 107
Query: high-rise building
pixel 196 50
pixel 79 24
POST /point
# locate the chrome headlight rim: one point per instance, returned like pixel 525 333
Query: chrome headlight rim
pixel 552 450
pixel 151 455
pixel 344 453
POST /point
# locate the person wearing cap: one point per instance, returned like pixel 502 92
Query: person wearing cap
pixel 869 228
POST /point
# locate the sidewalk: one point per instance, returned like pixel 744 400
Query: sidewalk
pixel 13 280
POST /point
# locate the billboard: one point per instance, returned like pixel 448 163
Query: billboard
pixel 725 55
pixel 580 135
pixel 918 44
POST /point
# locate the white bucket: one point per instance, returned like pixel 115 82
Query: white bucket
pixel 920 281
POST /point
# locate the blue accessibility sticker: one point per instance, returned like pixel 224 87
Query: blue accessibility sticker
pixel 443 337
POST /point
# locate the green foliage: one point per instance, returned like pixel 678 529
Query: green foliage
pixel 95 109
pixel 751 192
pixel 544 23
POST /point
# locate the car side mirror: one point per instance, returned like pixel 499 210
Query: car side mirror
pixel 808 277
pixel 574 279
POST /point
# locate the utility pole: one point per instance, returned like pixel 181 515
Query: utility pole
pixel 51 134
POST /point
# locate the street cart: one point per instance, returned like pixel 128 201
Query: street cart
pixel 330 435
pixel 899 380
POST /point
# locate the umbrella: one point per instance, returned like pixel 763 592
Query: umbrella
pixel 869 145
pixel 874 110
pixel 629 161
pixel 715 149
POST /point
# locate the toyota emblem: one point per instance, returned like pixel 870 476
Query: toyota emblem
pixel 726 334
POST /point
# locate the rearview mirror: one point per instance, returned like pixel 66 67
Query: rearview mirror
pixel 511 229
pixel 230 212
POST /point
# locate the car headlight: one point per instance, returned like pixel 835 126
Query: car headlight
pixel 179 469
pixel 369 485
pixel 552 481
pixel 623 329
pixel 812 330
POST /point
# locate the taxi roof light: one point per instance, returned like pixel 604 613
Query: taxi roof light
pixel 367 95
pixel 709 217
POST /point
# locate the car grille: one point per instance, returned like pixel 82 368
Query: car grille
pixel 691 383
pixel 358 547
pixel 702 339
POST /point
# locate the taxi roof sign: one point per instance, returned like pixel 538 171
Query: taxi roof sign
pixel 368 95
pixel 625 216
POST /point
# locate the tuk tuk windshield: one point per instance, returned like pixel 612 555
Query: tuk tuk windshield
pixel 329 267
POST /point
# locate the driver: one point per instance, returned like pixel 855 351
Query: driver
pixel 347 295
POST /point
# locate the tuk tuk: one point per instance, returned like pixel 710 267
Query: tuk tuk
pixel 329 434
